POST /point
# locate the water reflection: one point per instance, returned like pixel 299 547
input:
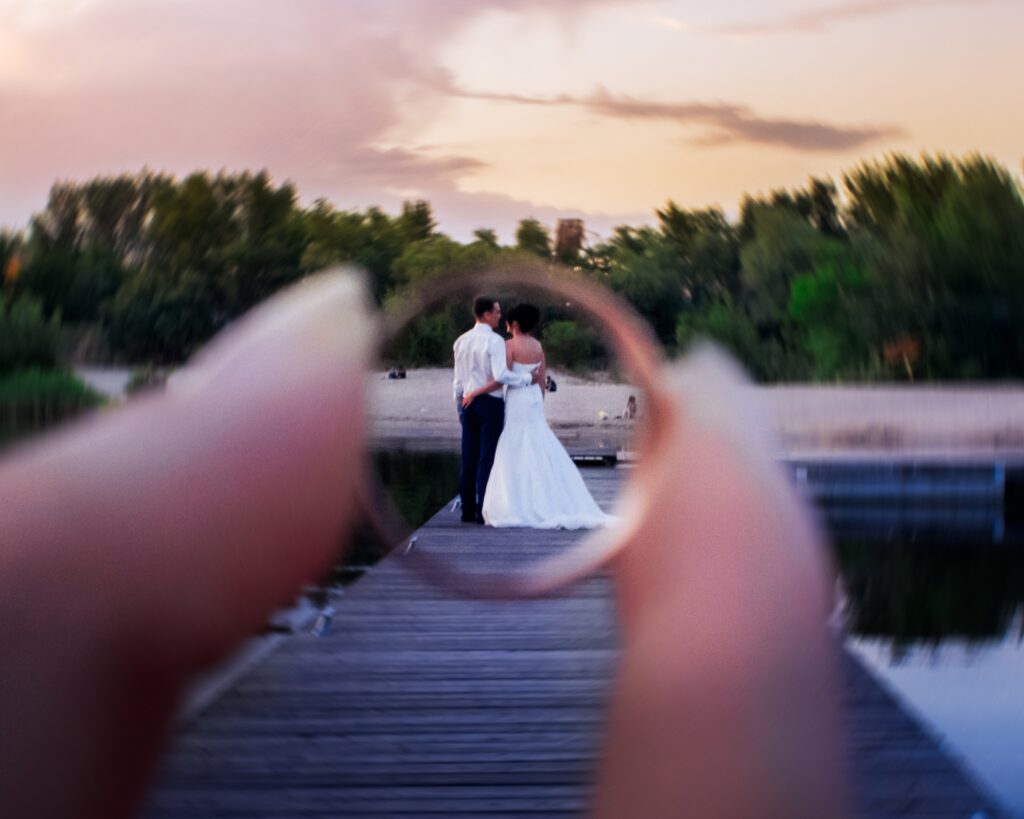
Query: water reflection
pixel 930 592
pixel 417 485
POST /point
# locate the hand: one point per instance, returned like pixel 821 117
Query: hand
pixel 535 376
pixel 139 547
pixel 467 400
pixel 214 503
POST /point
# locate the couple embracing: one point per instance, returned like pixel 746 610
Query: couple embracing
pixel 515 472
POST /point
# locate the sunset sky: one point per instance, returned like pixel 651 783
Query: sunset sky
pixel 499 109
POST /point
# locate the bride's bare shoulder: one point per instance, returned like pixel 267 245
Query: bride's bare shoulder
pixel 529 351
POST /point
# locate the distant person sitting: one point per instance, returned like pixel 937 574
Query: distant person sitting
pixel 630 412
pixel 550 385
pixel 396 372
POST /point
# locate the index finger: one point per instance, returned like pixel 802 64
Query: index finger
pixel 145 543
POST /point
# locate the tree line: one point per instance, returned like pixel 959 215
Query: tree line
pixel 909 268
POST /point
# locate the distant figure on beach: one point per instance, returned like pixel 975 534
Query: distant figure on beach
pixel 396 372
pixel 534 482
pixel 480 361
pixel 551 385
pixel 629 412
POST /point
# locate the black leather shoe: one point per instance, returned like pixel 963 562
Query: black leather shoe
pixel 479 520
pixel 468 519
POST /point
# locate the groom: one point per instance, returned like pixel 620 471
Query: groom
pixel 479 359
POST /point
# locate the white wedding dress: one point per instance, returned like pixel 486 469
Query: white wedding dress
pixel 534 482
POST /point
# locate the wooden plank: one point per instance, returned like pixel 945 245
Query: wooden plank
pixel 445 800
pixel 257 774
pixel 509 721
pixel 342 753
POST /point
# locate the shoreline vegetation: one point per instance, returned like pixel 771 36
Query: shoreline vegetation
pixel 36 391
pixel 34 399
pixel 906 270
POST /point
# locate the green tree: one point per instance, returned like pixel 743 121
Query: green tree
pixel 727 323
pixel 532 237
pixel 382 244
pixel 817 204
pixel 567 345
pixel 427 342
pixel 191 225
pixel 86 240
pixel 707 247
pixel 783 245
pixel 926 258
pixel 48 275
pixel 646 271
pixel 416 223
pixel 27 338
pixel 945 251
pixel 338 237
pixel 486 236
pixel 823 208
pixel 830 310
pixel 437 256
pixel 156 319
pixel 116 210
pixel 268 252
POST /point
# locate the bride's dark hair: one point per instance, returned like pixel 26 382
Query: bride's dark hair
pixel 527 316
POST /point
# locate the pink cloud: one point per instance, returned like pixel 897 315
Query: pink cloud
pixel 311 90
pixel 820 18
pixel 725 122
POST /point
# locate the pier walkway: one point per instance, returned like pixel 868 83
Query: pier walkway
pixel 417 703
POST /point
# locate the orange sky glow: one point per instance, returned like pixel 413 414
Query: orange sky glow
pixel 495 110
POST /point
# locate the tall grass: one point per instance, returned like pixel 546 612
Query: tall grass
pixel 33 399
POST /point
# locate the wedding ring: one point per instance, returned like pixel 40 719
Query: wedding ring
pixel 638 353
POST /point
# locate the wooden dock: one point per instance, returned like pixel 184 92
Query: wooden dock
pixel 418 704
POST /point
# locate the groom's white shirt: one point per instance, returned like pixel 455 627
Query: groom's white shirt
pixel 479 353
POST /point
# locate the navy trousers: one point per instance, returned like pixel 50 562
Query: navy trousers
pixel 482 422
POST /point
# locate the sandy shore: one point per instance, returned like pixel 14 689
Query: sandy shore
pixel 954 420
pixel 419 412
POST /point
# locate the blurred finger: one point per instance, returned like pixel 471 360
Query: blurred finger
pixel 725 703
pixel 143 544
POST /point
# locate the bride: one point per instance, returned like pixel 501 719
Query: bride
pixel 533 482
